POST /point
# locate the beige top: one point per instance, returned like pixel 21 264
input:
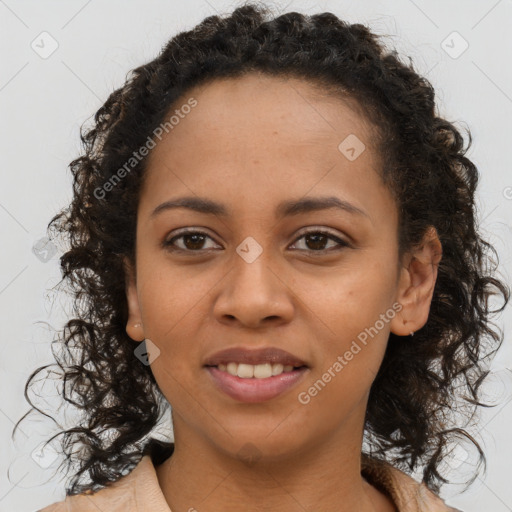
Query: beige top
pixel 139 491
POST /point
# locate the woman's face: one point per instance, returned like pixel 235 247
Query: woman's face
pixel 251 277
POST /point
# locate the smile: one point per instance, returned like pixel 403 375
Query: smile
pixel 257 383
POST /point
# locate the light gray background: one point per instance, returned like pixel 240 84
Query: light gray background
pixel 43 101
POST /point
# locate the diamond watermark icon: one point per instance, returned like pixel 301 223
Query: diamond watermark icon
pixel 44 249
pixel 146 352
pixel 351 147
pixel 457 457
pixel 44 45
pixel 454 45
pixel 249 249
pixel 496 388
pixel 249 453
pixel 44 456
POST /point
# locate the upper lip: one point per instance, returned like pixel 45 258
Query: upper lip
pixel 253 356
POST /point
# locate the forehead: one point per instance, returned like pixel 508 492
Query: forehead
pixel 260 105
pixel 264 135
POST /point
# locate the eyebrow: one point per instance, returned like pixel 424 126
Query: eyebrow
pixel 284 209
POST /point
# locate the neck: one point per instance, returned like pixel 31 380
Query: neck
pixel 325 476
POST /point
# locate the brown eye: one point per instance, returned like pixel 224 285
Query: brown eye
pixel 194 241
pixel 316 241
pixel 191 241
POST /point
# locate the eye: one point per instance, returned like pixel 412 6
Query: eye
pixel 192 241
pixel 316 240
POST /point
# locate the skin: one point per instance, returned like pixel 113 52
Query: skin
pixel 251 143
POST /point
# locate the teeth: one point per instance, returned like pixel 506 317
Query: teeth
pixel 277 369
pixel 258 371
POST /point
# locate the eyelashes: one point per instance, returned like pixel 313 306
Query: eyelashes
pixel 324 235
pixel 197 238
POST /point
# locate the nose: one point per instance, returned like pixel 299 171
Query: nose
pixel 254 294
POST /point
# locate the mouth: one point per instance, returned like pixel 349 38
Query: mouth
pixel 253 376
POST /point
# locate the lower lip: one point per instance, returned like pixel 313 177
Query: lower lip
pixel 255 390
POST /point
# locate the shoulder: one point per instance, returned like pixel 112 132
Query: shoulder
pixel 137 491
pixel 407 494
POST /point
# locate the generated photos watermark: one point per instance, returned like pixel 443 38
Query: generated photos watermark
pixel 304 397
pixel 143 151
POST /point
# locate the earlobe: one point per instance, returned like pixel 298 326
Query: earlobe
pixel 416 284
pixel 134 327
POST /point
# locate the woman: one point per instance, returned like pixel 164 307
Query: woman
pixel 274 208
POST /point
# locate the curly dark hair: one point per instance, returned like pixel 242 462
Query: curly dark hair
pixel 412 400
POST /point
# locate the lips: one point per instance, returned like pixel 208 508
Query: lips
pixel 254 356
pixel 255 390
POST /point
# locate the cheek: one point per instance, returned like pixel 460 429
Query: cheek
pixel 353 312
pixel 352 298
pixel 172 313
pixel 171 295
pixel 347 362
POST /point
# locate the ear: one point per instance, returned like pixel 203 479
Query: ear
pixel 134 327
pixel 416 284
